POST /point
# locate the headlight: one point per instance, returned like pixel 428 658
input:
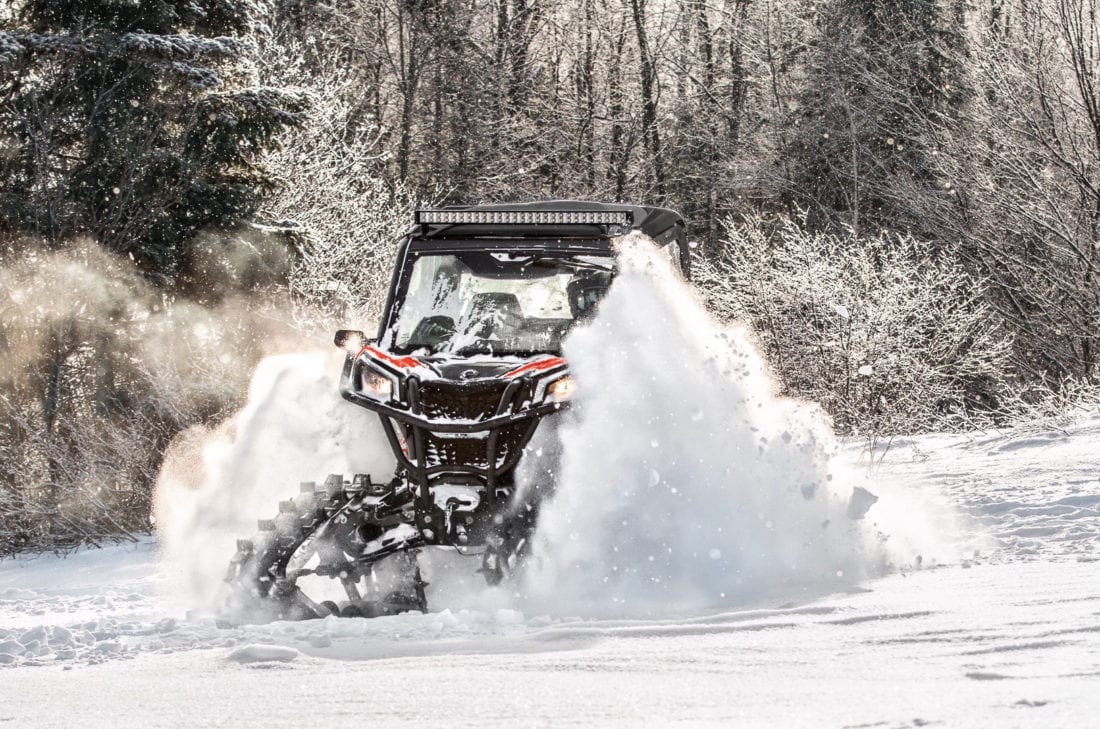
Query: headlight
pixel 561 390
pixel 375 385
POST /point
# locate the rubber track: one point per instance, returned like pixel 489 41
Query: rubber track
pixel 257 572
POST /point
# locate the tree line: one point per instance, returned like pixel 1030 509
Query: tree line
pixel 172 167
pixel 975 126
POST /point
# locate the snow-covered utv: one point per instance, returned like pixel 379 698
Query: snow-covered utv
pixel 465 366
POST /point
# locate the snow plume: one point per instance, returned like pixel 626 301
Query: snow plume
pixel 99 368
pixel 215 483
pixel 683 480
pixel 83 295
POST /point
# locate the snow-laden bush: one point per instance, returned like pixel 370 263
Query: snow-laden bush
pixel 333 191
pixel 888 333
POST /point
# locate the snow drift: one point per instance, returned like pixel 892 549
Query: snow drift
pixel 683 480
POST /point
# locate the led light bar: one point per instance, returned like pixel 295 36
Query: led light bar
pixel 526 217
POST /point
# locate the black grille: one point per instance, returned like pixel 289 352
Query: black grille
pixel 439 450
pixel 446 400
pixel 460 402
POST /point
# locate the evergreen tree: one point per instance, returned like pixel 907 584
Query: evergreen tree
pixel 882 76
pixel 132 123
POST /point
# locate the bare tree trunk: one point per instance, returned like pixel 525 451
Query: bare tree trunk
pixel 738 79
pixel 587 91
pixel 52 386
pixel 647 67
pixel 524 24
pixel 706 53
pixel 779 115
pixel 409 71
pixel 617 168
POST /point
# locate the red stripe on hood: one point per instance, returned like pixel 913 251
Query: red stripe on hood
pixel 401 362
pixel 538 366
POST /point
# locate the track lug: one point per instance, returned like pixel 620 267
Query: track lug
pixel 334 485
pixel 329 524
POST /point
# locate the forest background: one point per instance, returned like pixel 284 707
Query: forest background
pixel 900 197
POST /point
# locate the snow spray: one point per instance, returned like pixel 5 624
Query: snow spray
pixel 682 479
pixel 215 483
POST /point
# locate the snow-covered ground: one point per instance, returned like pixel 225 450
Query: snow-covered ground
pixel 1007 635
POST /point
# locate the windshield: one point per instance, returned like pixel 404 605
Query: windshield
pixel 496 303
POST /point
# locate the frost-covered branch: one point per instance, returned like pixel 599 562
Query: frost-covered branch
pixel 888 333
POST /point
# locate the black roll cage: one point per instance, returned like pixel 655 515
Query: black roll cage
pixel 415 246
pixel 664 226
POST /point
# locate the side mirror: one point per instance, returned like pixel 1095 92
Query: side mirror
pixel 351 340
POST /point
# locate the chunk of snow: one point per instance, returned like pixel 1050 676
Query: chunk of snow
pixel 60 636
pixel 860 502
pixel 12 647
pixel 259 653
pixel 37 633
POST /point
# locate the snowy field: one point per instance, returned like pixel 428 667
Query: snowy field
pixel 1006 635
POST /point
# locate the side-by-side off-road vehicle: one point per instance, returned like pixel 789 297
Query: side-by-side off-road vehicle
pixel 466 365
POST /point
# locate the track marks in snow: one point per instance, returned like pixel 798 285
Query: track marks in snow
pixel 986 676
pixel 1040 440
pixel 1028 495
pixel 1028 704
pixel 857 619
pixel 1026 646
pixel 1059 600
pixel 657 631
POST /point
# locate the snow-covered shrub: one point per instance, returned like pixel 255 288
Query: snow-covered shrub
pixel 332 191
pixel 888 333
pixel 1035 406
